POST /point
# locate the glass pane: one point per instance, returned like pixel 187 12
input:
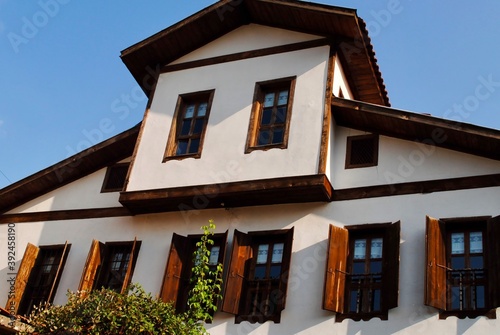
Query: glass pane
pixel 359 249
pixel 376 267
pixel 189 111
pixel 195 144
pixel 266 116
pixel 198 126
pixel 275 271
pixel 264 137
pixel 277 253
pixel 376 300
pixel 280 115
pixel 476 242
pixel 376 248
pixel 476 262
pixel 457 243
pixel 214 255
pixel 262 253
pixel 278 135
pixel 269 100
pixel 455 297
pixel 458 262
pixel 358 267
pixel 202 109
pixel 260 272
pixel 181 147
pixel 353 298
pixel 480 297
pixel 186 125
pixel 283 98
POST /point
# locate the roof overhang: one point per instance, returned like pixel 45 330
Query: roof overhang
pixel 145 59
pixel 449 134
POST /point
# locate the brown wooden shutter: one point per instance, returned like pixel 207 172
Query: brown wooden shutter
pixel 390 290
pixel 435 272
pixel 94 260
pixel 23 275
pixel 338 243
pixel 287 256
pixel 493 256
pixel 60 267
pixel 242 251
pixel 177 259
pixel 131 265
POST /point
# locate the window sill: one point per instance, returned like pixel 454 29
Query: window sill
pixel 361 316
pixel 257 318
pixel 181 157
pixel 472 314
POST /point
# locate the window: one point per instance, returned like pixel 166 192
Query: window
pixel 38 277
pixel 114 181
pixel 110 265
pixel 189 125
pixel 362 151
pixel 271 113
pixel 362 274
pixel 177 279
pixel 258 275
pixel 462 258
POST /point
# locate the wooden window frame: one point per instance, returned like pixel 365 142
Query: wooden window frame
pixel 176 280
pixel 256 113
pixel 437 251
pixel 174 135
pixel 109 172
pixel 18 303
pixel 240 269
pixel 97 257
pixel 350 139
pixel 336 290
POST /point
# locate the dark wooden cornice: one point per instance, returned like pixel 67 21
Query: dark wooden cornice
pixel 459 136
pixel 70 214
pixel 84 163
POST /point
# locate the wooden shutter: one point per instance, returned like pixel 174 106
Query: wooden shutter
pixel 435 271
pixel 390 289
pixel 240 254
pixel 177 259
pixel 333 295
pixel 493 256
pixel 23 275
pixel 60 267
pixel 131 265
pixel 287 256
pixel 94 261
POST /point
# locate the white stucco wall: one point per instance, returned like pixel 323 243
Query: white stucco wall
pixel 223 157
pixel 303 313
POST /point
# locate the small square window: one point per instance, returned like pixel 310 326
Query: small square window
pixel 189 125
pixel 362 151
pixel 114 181
pixel 271 114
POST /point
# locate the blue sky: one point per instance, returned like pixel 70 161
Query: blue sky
pixel 64 87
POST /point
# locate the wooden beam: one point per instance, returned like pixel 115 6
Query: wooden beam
pixel 72 214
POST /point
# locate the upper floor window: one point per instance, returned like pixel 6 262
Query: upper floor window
pixel 110 265
pixel 362 151
pixel 114 181
pixel 189 125
pixel 38 277
pixel 177 279
pixel 362 271
pixel 462 258
pixel 271 114
pixel 258 275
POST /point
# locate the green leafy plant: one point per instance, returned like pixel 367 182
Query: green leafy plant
pixel 107 312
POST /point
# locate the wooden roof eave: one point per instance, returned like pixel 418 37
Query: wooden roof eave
pixel 77 166
pixel 449 134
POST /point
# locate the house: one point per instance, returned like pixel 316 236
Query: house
pixel 335 212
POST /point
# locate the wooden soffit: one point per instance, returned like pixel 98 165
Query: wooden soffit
pixel 145 59
pixel 459 136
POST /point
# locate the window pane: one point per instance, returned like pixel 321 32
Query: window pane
pixel 353 301
pixel 476 242
pixel 458 262
pixel 198 126
pixel 283 98
pixel 358 268
pixel 480 297
pixel 455 297
pixel 280 115
pixel 260 272
pixel 376 248
pixel 264 137
pixel 277 135
pixel 189 111
pixel 376 300
pixel 195 144
pixel 186 125
pixel 376 267
pixel 269 100
pixel 262 253
pixel 359 249
pixel 202 109
pixel 457 243
pixel 476 262
pixel 266 116
pixel 275 271
pixel 182 147
pixel 214 255
pixel 277 253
